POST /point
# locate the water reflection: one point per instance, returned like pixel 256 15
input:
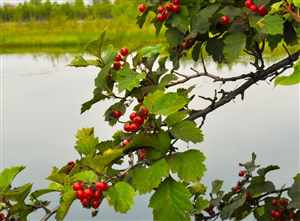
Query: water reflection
pixel 42 100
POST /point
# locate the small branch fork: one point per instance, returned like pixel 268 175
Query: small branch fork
pixel 249 79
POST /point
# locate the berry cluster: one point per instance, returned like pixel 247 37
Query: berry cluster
pixel 137 120
pixel 90 195
pixel 281 211
pixel 2 217
pixel 261 10
pixel 120 58
pixel 165 11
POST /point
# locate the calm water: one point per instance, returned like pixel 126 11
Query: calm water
pixel 41 101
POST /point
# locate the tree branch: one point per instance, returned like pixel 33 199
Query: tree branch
pixel 260 75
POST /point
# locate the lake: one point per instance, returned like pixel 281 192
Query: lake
pixel 40 109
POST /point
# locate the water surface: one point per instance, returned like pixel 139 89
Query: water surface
pixel 41 107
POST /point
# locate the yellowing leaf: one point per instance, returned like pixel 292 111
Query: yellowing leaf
pixel 292 79
pixel 86 141
pixel 8 175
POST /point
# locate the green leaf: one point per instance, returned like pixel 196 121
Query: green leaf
pixel 181 20
pixel 171 201
pixel 164 103
pixel 53 187
pixel 264 171
pixel 201 204
pixel 95 47
pixel 146 179
pixel 166 79
pixel 200 22
pixel 292 79
pixel 128 79
pixel 216 186
pixel 234 45
pixel 121 196
pixel 294 192
pixel 230 208
pixel 79 61
pixel 57 176
pixel 18 194
pixel 160 141
pixel 86 141
pixel 296 3
pixel 175 118
pixel 174 37
pixel 66 201
pixel 271 24
pixel 100 162
pixel 214 47
pixel 187 131
pixel 258 186
pixel 189 165
pixel 8 175
pixel 88 176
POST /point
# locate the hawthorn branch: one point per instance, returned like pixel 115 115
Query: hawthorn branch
pixel 214 77
pixel 260 75
pixel 49 214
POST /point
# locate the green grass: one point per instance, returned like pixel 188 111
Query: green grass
pixel 69 36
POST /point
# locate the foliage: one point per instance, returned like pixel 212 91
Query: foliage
pixel 147 84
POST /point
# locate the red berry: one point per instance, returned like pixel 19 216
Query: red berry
pixel 160 17
pixel 242 173
pixel 134 127
pixel 169 6
pixel 125 142
pixel 142 153
pixel 102 186
pixel 262 10
pixel 124 51
pixel 142 8
pixel 127 127
pixel 225 20
pixel 116 114
pixel 117 65
pixel 161 9
pixel 138 120
pixel 118 57
pixel 291 215
pixel 98 195
pixel 253 8
pixel 284 202
pixel 96 204
pixel 80 194
pixel 276 214
pixel 2 217
pixel 132 115
pixel 176 2
pixel 176 8
pixel 275 202
pixel 248 196
pixel 77 186
pixel 88 193
pixel 248 3
pixel 143 112
pixel 85 202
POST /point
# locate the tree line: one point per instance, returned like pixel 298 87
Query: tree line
pixel 38 10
